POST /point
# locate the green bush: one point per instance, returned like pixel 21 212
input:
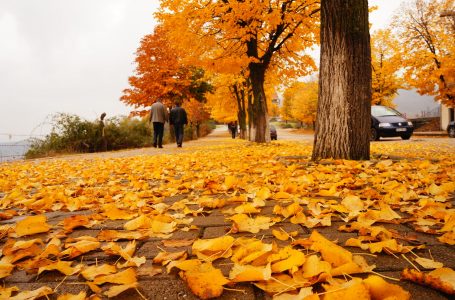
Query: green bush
pixel 286 125
pixel 71 134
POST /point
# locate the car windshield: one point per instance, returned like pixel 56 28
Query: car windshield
pixel 381 111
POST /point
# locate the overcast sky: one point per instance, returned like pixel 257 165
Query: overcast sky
pixel 76 57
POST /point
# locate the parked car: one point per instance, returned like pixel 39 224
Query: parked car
pixel 451 129
pixel 387 122
pixel 273 134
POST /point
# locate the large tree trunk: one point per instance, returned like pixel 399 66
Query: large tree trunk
pixel 260 122
pixel 344 117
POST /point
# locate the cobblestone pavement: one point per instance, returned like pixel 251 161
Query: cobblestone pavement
pixel 170 286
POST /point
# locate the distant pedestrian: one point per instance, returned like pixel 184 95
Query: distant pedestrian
pixel 158 116
pixel 178 119
pixel 233 128
pixel 103 132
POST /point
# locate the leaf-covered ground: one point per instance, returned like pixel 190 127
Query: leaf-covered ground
pixel 231 219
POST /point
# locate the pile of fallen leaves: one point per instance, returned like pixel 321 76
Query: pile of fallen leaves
pixel 412 185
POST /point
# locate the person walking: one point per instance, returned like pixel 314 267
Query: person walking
pixel 158 116
pixel 178 119
pixel 103 139
pixel 233 128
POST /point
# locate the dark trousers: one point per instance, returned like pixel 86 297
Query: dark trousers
pixel 233 132
pixel 158 131
pixel 178 131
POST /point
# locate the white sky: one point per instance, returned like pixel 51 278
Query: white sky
pixel 76 57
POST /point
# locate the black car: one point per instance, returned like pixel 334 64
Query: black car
pixel 387 122
pixel 451 129
pixel 273 134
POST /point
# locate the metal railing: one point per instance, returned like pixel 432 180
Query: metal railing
pixel 14 146
pixel 11 151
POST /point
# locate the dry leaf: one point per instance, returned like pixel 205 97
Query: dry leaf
pixel 32 225
pixel 380 289
pixel 35 294
pixel 91 272
pixel 212 249
pixel 118 289
pixel 204 281
pixel 125 277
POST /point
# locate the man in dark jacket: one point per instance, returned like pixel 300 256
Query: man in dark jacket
pixel 178 119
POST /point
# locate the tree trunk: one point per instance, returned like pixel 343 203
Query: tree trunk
pixel 250 116
pixel 260 122
pixel 241 93
pixel 344 116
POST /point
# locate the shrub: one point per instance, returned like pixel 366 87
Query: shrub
pixel 71 134
pixel 286 125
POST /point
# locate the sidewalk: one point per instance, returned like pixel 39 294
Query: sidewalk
pixel 171 182
pixel 431 133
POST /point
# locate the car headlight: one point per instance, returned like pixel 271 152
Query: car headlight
pixel 410 123
pixel 385 125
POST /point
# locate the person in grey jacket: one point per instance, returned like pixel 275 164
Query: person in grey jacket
pixel 178 119
pixel 158 116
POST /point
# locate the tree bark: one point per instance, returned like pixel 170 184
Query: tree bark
pixel 344 117
pixel 260 121
pixel 241 93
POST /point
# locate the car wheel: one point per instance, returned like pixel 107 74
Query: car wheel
pixel 405 136
pixel 374 135
pixel 452 132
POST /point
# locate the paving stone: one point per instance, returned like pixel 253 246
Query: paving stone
pixel 110 224
pixel 212 232
pixel 159 289
pixel 331 233
pixel 175 198
pixel 19 276
pixel 407 231
pixel 151 248
pixel 210 221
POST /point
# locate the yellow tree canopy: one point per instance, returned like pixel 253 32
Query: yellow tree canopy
pixel 385 61
pixel 302 98
pixel 427 44
pixel 215 34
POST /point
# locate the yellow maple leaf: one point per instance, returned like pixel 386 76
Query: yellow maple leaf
pixel 241 273
pixel 32 225
pixel 380 289
pixel 81 296
pixel 243 223
pixel 204 281
pixel 212 249
pixel 35 294
pixel 112 212
pixel 63 267
pixel 281 235
pixel 314 266
pixel 6 267
pixel 287 259
pixel 118 289
pixel 353 289
pixel 5 292
pixel 330 251
pixel 91 272
pixel 76 221
pixel 125 277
